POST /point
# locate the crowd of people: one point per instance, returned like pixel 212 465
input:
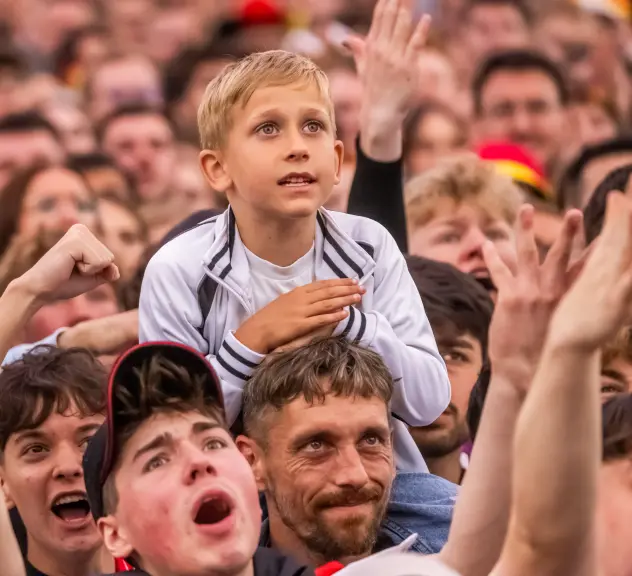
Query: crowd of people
pixel 315 287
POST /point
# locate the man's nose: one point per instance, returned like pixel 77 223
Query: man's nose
pixel 349 470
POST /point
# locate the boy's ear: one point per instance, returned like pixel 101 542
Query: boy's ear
pixel 114 538
pixel 339 149
pixel 253 453
pixel 213 169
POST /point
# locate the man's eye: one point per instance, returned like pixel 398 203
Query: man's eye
pixel 215 444
pixel 454 356
pixel 372 440
pixel 267 129
pixel 314 446
pixel 496 234
pixel 449 238
pixel 154 463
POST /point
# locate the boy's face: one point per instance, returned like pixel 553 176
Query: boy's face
pixel 456 233
pixel 42 477
pixel 187 499
pixel 281 159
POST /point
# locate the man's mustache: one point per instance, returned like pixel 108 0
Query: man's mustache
pixel 349 497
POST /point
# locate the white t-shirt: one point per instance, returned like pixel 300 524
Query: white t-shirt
pixel 269 281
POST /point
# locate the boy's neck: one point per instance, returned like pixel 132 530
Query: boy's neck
pixel 70 564
pixel 279 242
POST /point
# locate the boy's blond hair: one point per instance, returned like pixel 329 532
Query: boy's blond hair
pixel 236 84
pixel 461 179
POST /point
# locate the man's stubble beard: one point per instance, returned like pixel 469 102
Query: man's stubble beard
pixel 438 443
pixel 348 540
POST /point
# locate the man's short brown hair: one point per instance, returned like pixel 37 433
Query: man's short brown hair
pixel 163 386
pixel 48 381
pixel 324 367
pixel 236 84
pixel 462 179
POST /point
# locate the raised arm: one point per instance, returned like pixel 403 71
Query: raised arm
pixel 558 436
pixel 527 298
pixel 387 62
pixel 10 556
pixel 76 264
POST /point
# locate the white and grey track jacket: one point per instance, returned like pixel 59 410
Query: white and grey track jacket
pixel 197 291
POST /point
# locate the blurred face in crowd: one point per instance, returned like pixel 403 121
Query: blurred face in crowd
pixel 346 93
pixel 22 149
pixel 123 81
pixel 437 78
pixel 614 530
pixel 123 234
pixel 187 500
pixel 74 128
pixel 436 136
pixel 10 81
pixel 97 303
pixel 492 27
pixel 42 477
pixel 596 170
pixel 456 233
pixel 571 41
pixel 172 30
pixel 130 22
pixel 143 146
pixel 108 181
pixel 524 107
pixel 464 359
pixel 185 111
pixel 56 199
pixel 326 471
pixel 191 188
pixel 590 123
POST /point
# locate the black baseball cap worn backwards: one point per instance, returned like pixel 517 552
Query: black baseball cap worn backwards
pixel 102 452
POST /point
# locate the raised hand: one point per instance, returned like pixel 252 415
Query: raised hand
pixel 78 263
pixel 387 62
pixel 601 300
pixel 305 310
pixel 528 295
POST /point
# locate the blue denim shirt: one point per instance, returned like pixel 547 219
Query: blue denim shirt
pixel 420 504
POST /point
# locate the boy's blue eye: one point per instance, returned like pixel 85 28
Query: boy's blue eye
pixel 313 126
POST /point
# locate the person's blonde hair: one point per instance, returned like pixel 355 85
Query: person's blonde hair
pixel 238 81
pixel 463 178
pixel 620 347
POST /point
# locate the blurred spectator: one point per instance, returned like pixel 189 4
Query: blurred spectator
pixel 122 80
pixel 488 26
pixel 80 55
pixel 185 80
pixel 73 127
pixel 140 139
pixel 130 24
pixel 12 74
pixel 41 26
pixel 522 97
pixel 26 139
pixel 438 81
pixel 173 28
pixel 103 176
pixel 591 121
pixel 346 94
pixel 589 169
pixel 431 133
pixel 123 232
pixel 455 208
pixel 189 187
pixel 42 198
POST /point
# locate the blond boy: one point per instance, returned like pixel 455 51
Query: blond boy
pixel 276 269
pixel 453 209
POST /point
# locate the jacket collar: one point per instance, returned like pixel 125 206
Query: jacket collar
pixel 337 254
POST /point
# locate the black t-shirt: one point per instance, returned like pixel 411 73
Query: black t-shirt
pixel 267 562
pixel 31 570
